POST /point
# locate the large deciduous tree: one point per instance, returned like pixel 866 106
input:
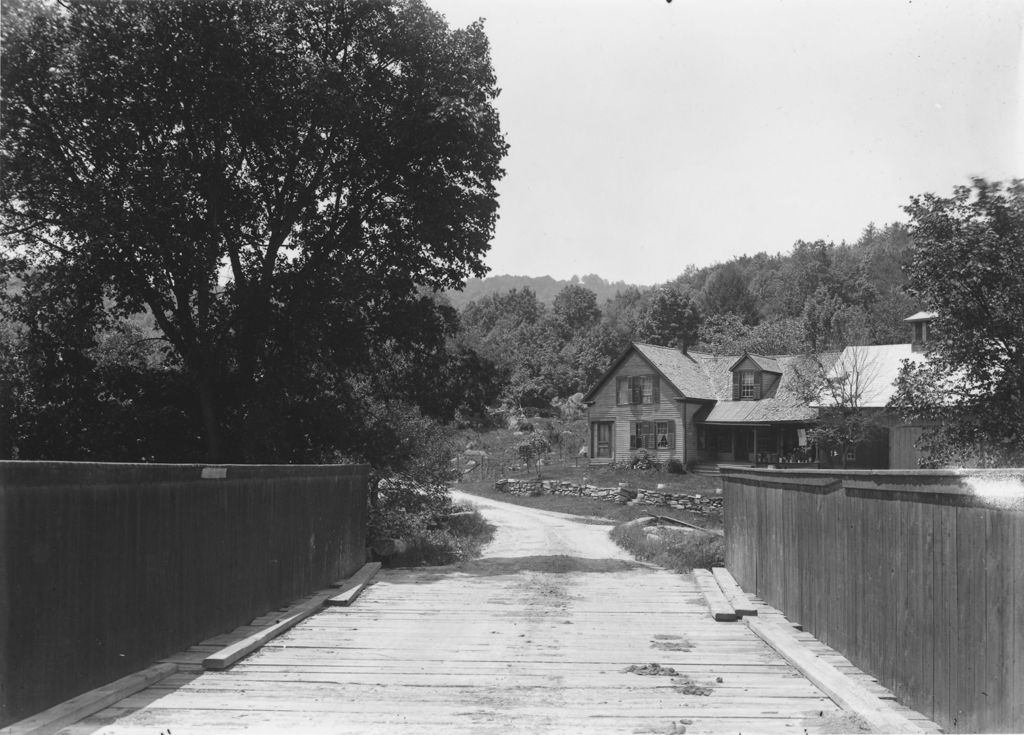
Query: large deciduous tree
pixel 968 267
pixel 275 181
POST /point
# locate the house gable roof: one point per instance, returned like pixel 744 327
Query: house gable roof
pixel 766 363
pixel 681 370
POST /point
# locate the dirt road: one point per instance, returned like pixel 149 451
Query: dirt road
pixel 538 636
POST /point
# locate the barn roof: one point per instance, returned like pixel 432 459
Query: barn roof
pixel 876 368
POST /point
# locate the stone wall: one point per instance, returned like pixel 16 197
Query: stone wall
pixel 697 503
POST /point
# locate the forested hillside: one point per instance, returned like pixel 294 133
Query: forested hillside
pixel 819 296
pixel 546 288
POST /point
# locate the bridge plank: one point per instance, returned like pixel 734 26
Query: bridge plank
pixel 841 689
pixel 230 654
pixel 733 592
pixel 66 713
pixel 352 587
pixel 720 608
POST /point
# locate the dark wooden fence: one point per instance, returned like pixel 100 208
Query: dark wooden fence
pixel 108 567
pixel 916 576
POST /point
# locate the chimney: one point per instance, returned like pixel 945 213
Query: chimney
pixel 921 324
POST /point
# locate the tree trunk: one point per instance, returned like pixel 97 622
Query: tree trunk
pixel 211 426
pixel 6 440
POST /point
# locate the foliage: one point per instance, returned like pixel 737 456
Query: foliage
pixel 671 319
pixel 532 448
pixel 968 267
pixel 837 385
pixel 726 292
pixel 728 335
pixel 437 539
pixel 575 308
pixel 332 172
pixel 80 384
pixel 642 461
pixel 680 551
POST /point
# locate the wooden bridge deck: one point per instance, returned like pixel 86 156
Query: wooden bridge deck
pixel 508 644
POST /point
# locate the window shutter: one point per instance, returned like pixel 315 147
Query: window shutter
pixel 671 434
pixel 655 390
pixel 736 386
pixel 632 434
pixel 757 385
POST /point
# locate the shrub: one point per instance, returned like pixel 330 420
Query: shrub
pixel 446 540
pixel 674 466
pixel 642 461
pixel 680 551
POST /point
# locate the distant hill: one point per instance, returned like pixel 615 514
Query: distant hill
pixel 545 287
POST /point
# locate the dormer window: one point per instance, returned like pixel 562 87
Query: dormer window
pixel 753 375
pixel 747 383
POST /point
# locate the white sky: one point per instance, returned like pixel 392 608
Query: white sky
pixel 646 135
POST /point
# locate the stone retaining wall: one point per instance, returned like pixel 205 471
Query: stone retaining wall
pixel 697 503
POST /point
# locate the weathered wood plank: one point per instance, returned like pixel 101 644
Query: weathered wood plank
pixel 352 587
pixel 733 592
pixel 228 655
pixel 841 689
pixel 67 713
pixel 719 606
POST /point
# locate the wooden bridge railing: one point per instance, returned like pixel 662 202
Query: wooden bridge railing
pixel 105 568
pixel 916 576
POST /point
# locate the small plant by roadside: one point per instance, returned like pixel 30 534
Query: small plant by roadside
pixel 681 552
pixel 415 526
pixel 457 537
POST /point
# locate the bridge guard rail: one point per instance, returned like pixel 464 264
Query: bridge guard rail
pixel 108 567
pixel 915 576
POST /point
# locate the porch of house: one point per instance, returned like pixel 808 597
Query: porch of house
pixel 785 446
pixel 780 444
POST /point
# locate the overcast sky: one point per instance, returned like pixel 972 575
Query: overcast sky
pixel 646 135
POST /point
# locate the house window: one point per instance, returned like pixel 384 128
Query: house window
pixel 637 389
pixel 661 435
pixel 746 384
pixel 652 435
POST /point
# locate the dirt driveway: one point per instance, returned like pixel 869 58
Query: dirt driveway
pixel 554 630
